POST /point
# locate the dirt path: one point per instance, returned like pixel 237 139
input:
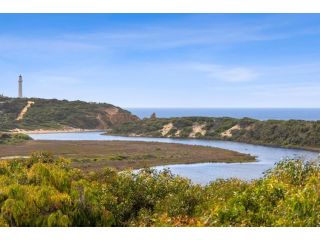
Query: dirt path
pixel 24 110
pixel 13 157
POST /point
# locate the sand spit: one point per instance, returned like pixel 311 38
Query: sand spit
pixel 64 130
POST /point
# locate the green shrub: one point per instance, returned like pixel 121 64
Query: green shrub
pixel 12 138
pixel 46 191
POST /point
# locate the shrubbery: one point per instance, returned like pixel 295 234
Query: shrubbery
pixel 292 133
pixel 46 191
pixel 11 138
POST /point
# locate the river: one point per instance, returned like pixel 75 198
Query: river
pixel 203 173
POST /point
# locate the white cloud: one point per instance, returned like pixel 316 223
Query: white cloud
pixel 149 37
pixel 226 73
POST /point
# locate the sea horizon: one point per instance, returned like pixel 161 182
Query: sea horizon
pixel 310 114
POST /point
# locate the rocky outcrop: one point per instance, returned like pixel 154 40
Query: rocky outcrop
pixel 153 116
pixel 112 116
pixel 116 116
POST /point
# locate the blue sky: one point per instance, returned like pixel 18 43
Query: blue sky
pixel 164 60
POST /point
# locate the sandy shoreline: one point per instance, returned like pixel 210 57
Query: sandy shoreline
pixel 47 131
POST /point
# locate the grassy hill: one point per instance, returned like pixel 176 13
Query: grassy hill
pixel 292 133
pixel 36 113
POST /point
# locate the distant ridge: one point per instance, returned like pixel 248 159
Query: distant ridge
pixel 285 133
pixel 18 114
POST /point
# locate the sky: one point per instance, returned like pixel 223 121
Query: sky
pixel 164 60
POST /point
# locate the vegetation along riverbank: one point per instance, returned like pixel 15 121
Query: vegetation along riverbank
pixel 47 191
pixel 12 138
pixel 292 133
pixel 94 155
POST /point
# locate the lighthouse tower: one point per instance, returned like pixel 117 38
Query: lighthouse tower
pixel 20 86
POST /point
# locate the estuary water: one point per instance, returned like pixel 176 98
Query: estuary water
pixel 203 173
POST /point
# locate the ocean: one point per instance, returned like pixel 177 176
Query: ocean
pixel 312 114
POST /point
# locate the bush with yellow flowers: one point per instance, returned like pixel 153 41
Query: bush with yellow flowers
pixel 46 191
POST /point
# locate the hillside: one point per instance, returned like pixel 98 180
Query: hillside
pixel 292 133
pixel 36 113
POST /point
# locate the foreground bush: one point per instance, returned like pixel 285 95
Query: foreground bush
pixel 46 191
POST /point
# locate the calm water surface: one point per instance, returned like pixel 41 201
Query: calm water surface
pixel 204 172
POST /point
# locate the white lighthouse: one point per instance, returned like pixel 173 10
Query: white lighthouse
pixel 20 86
